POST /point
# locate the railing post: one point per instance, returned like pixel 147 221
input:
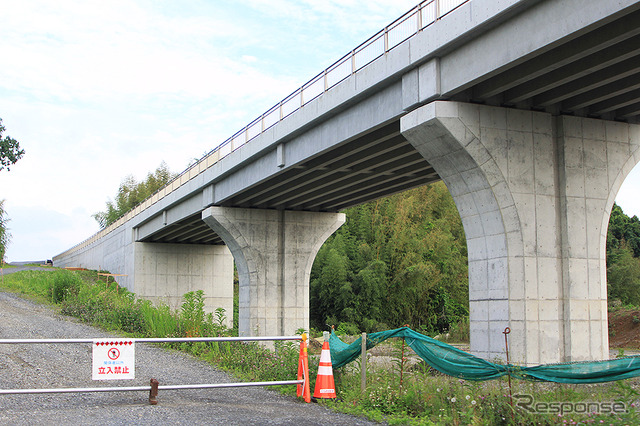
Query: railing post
pixel 353 62
pixel 326 82
pixel 363 363
pixel 386 39
pixel 419 17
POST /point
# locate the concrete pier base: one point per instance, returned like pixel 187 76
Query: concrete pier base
pixel 274 251
pixel 534 193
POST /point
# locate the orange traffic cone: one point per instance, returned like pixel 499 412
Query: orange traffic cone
pixel 325 388
pixel 303 370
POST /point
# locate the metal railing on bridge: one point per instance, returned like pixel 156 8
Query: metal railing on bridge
pixel 408 25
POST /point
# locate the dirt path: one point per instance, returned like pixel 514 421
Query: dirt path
pixel 69 365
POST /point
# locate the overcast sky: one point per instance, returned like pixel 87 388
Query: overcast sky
pixel 98 90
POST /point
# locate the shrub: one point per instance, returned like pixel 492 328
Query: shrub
pixel 347 328
pixel 64 284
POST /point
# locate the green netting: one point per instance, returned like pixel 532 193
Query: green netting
pixel 454 362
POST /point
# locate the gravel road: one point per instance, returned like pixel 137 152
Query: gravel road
pixel 69 365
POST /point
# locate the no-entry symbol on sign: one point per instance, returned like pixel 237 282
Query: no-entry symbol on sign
pixel 113 359
pixel 113 354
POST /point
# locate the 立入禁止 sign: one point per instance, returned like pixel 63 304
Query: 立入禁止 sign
pixel 113 359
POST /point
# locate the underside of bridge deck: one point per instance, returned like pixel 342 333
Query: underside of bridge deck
pixel 594 73
pixel 370 166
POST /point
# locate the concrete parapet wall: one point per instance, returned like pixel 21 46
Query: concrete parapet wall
pixel 113 253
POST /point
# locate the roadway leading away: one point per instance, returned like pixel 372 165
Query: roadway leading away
pixel 69 366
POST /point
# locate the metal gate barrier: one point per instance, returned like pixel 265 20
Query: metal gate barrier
pixel 302 382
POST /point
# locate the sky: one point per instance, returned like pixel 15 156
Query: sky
pixel 95 91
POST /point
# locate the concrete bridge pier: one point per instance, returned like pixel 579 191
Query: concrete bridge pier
pixel 274 251
pixel 534 192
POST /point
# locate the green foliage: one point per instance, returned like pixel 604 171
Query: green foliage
pixel 132 193
pixel 459 331
pixel 623 275
pixel 623 228
pixel 83 295
pixel 10 151
pixel 399 260
pixel 65 285
pixel 252 362
pixel 5 236
pixel 623 257
pixel 428 398
pixel 192 314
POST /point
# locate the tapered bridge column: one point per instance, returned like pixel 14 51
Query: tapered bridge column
pixel 534 194
pixel 274 251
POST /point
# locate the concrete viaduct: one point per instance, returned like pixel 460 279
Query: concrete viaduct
pixel 528 110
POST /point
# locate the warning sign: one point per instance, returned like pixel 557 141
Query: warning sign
pixel 113 359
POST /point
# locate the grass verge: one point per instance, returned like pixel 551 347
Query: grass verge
pixel 425 397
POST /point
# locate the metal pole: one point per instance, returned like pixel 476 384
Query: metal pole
pixel 506 346
pixel 401 362
pixel 148 388
pixel 363 363
pixel 151 339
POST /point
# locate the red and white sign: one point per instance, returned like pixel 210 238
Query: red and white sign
pixel 113 359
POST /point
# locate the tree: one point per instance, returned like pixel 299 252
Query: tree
pixel 623 257
pixel 132 193
pixel 623 228
pixel 398 260
pixel 623 275
pixel 10 151
pixel 4 232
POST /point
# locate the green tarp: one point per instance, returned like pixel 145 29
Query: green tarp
pixel 454 362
